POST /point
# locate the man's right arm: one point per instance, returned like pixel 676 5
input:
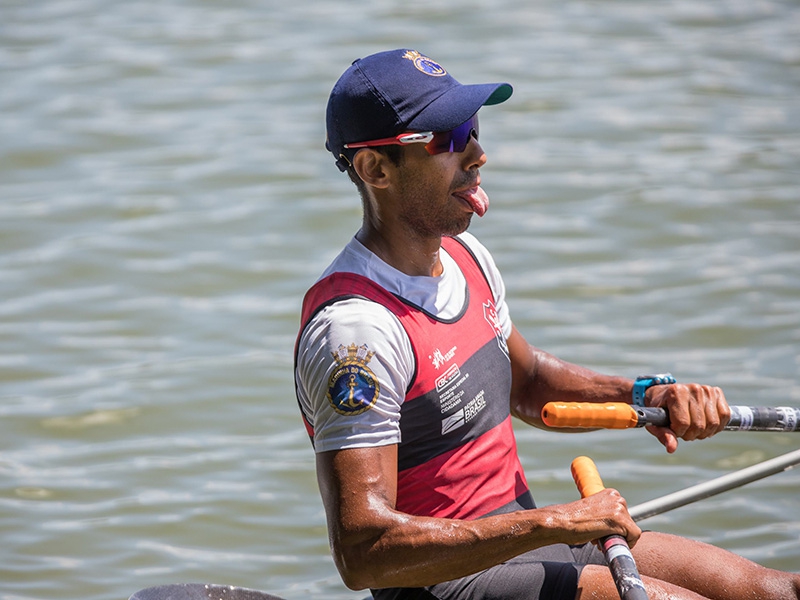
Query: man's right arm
pixel 373 544
pixel 376 546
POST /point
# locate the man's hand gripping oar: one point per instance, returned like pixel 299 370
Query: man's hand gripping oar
pixel 615 547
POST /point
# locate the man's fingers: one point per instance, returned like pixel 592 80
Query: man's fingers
pixel 666 436
pixel 696 411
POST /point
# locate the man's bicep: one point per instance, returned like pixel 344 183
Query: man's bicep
pixel 359 491
pixel 524 400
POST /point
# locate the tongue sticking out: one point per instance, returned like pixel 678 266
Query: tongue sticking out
pixel 476 198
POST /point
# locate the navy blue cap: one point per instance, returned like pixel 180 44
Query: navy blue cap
pixel 389 93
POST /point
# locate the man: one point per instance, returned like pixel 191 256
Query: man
pixel 408 369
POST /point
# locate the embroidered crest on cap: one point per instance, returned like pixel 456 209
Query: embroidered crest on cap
pixel 425 64
pixel 352 387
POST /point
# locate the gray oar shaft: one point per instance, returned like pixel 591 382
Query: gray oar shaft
pixel 743 418
pixel 715 486
pixel 764 418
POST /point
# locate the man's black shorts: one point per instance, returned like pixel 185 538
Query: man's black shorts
pixel 549 573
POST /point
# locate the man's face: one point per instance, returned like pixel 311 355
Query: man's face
pixel 431 190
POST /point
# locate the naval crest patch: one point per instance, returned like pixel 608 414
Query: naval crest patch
pixel 352 387
pixel 425 64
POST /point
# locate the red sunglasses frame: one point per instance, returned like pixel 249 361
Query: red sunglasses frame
pixel 454 140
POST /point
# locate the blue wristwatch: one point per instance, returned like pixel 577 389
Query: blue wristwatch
pixel 645 381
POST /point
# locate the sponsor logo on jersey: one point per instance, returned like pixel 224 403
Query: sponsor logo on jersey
pixel 438 358
pixel 464 415
pixel 490 314
pixel 449 376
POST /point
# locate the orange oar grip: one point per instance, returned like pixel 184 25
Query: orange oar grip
pixel 586 476
pixel 615 548
pixel 590 415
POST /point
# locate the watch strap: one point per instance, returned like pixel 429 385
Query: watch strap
pixel 646 381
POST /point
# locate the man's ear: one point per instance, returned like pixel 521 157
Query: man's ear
pixel 371 167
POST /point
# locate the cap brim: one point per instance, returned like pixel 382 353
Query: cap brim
pixel 457 105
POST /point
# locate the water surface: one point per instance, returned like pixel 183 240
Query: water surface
pixel 166 201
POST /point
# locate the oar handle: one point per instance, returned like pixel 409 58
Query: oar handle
pixel 586 476
pixel 618 415
pixel 590 415
pixel 615 547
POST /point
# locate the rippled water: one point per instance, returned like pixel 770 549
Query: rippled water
pixel 166 201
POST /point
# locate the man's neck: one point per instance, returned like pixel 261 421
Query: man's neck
pixel 409 255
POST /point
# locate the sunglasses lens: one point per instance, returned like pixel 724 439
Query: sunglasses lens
pixel 455 140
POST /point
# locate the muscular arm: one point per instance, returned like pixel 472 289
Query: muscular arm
pixel 539 378
pixel 376 546
pixel 696 411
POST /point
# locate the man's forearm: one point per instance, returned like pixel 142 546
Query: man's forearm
pixel 540 378
pixel 420 551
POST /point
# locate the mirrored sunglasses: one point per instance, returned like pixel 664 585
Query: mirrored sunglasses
pixel 455 140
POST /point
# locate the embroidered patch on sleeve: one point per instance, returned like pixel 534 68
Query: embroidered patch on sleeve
pixel 352 387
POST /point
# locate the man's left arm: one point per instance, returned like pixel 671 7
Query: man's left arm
pixel 696 411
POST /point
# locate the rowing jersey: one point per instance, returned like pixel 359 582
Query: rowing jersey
pixel 421 362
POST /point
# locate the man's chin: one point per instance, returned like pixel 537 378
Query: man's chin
pixel 461 226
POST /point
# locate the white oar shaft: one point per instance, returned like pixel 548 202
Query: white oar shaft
pixel 715 486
